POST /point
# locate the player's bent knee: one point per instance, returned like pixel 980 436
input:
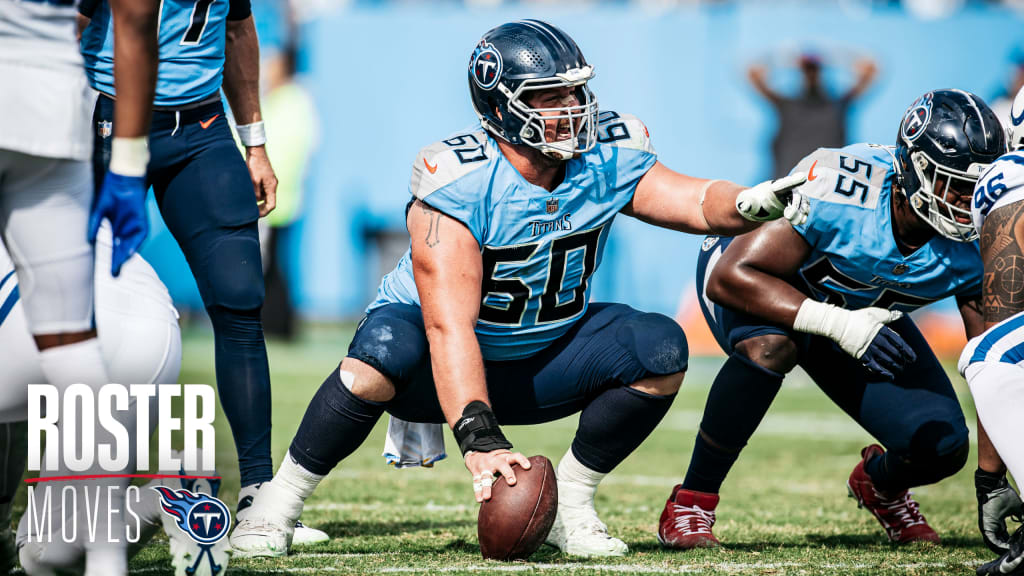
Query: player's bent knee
pixel 939 449
pixel 775 352
pixel 660 385
pixel 391 341
pixel 365 382
pixel 657 342
pixel 234 274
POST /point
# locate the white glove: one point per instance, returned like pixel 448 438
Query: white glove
pixel 853 330
pixel 773 199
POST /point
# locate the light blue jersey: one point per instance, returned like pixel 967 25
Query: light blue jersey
pixel 539 248
pixel 854 261
pixel 191 37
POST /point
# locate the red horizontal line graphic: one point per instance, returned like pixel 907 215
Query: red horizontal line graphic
pixel 101 476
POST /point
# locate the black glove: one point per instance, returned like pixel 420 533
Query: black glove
pixel 997 501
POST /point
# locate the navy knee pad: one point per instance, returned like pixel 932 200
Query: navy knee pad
pixel 392 340
pixel 656 341
pixel 938 450
pixel 233 274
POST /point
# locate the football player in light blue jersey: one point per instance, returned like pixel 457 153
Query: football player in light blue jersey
pixel 889 231
pixel 993 362
pixel 209 195
pixel 487 318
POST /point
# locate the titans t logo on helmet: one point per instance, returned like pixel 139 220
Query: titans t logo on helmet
pixel 917 117
pixel 485 65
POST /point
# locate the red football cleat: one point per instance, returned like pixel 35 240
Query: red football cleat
pixel 897 513
pixel 687 519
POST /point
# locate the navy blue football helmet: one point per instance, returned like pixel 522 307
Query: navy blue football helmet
pixel 519 57
pixel 947 138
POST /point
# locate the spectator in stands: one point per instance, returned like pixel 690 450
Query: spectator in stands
pixel 814 118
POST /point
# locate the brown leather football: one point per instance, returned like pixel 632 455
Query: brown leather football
pixel 513 524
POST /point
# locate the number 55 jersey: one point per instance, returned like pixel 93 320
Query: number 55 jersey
pixel 539 248
pixel 855 261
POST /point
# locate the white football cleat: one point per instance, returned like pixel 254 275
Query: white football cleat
pixel 258 535
pixel 302 535
pixel 579 532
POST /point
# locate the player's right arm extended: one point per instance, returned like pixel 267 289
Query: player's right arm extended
pixel 750 277
pixel 448 270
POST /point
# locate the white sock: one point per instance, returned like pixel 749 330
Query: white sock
pixel 286 493
pixel 577 484
pixel 81 362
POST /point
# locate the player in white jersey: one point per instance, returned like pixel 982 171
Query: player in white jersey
pixel 141 343
pixel 993 362
pixel 46 184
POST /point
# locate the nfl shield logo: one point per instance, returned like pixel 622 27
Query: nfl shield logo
pixel 900 269
pixel 105 128
pixel 552 205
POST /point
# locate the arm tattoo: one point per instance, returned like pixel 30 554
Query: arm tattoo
pixel 1002 251
pixel 434 230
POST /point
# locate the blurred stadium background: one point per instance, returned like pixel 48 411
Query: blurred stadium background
pixel 386 77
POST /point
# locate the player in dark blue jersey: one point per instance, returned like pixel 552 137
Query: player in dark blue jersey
pixel 889 232
pixel 488 318
pixel 209 195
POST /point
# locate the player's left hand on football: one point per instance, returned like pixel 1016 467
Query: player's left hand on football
pixel 122 201
pixel 775 199
pixel 264 181
pixel 485 465
pixel 997 501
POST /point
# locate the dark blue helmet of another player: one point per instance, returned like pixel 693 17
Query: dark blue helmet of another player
pixel 947 138
pixel 517 59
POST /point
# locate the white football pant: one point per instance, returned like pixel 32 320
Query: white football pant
pixel 998 390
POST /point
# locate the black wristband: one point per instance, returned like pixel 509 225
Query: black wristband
pixel 478 430
pixel 987 482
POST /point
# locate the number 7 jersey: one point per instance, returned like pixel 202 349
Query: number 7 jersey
pixel 538 248
pixel 191 46
pixel 855 261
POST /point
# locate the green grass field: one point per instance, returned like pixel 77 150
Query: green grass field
pixel 784 509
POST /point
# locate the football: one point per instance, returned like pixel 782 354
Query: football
pixel 515 521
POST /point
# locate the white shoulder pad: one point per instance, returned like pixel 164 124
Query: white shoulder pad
pixel 446 161
pixel 623 131
pixel 1002 184
pixel 844 176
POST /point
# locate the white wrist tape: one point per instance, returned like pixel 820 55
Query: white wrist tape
pixel 252 134
pixel 129 156
pixel 852 330
pixel 821 319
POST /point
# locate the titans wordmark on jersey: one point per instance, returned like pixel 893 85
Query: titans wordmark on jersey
pixel 854 260
pixel 539 248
